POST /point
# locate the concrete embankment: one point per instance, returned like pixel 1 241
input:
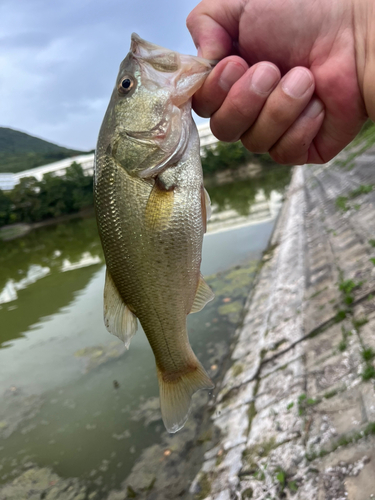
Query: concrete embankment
pixel 296 409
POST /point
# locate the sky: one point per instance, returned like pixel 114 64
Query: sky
pixel 59 60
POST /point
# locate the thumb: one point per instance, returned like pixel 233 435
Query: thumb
pixel 210 38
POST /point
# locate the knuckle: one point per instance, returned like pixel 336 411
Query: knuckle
pixel 253 144
pixel 221 131
pixel 280 156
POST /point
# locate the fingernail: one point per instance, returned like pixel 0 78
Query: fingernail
pixel 264 78
pixel 314 108
pixel 297 82
pixel 231 73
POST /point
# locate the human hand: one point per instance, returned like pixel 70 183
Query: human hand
pixel 316 108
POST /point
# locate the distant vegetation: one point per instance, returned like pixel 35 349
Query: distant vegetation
pixel 20 151
pixel 230 155
pixel 53 196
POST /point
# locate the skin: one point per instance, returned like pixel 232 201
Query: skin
pixel 296 78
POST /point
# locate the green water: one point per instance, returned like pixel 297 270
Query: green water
pixel 71 398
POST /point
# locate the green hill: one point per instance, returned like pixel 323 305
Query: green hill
pixel 20 151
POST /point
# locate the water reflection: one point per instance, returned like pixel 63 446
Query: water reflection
pixel 71 398
pixel 51 247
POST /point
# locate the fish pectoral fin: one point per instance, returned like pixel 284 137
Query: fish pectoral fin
pixel 208 204
pixel 159 206
pixel 203 295
pixel 176 390
pixel 206 207
pixel 118 318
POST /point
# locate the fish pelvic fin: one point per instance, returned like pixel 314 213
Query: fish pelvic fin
pixel 118 318
pixel 203 295
pixel 176 390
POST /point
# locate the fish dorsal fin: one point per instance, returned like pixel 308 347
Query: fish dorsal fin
pixel 118 318
pixel 204 294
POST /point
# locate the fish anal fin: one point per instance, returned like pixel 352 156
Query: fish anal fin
pixel 176 390
pixel 118 318
pixel 203 295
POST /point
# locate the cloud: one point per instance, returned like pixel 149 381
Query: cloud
pixel 59 60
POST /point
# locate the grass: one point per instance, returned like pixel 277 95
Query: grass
pixel 340 316
pixel 343 345
pixel 368 354
pixel 330 394
pixel 368 373
pixel 372 242
pixel 358 322
pixel 346 287
pixel 303 402
pixel 342 201
pixel 344 440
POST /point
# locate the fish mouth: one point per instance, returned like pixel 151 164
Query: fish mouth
pixel 156 135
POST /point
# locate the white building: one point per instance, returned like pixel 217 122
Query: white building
pixel 9 180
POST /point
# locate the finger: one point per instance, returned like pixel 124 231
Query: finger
pixel 213 26
pixel 217 85
pixel 244 102
pixel 281 110
pixel 294 146
pixel 211 39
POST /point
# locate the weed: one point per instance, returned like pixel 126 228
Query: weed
pixel 362 189
pixel 342 346
pixel 341 203
pixel 373 261
pixel 293 486
pixel 347 286
pixel 368 354
pixel 340 316
pixel 372 242
pixel 358 322
pixel 368 373
pixel 290 405
pixel 280 476
pixel 304 402
pixel 330 394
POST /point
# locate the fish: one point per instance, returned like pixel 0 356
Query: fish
pixel 152 211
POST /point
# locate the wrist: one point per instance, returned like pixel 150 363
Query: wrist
pixel 364 34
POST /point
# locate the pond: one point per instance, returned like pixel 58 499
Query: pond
pixel 72 399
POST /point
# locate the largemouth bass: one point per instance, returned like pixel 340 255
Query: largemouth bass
pixel 152 209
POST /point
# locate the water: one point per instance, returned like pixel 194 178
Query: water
pixel 71 398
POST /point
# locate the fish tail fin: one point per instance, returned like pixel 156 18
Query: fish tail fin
pixel 176 390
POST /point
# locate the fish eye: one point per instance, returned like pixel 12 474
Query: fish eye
pixel 126 84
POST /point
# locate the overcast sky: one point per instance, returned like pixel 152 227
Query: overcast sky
pixel 59 59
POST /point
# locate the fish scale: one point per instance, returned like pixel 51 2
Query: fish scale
pixel 151 213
